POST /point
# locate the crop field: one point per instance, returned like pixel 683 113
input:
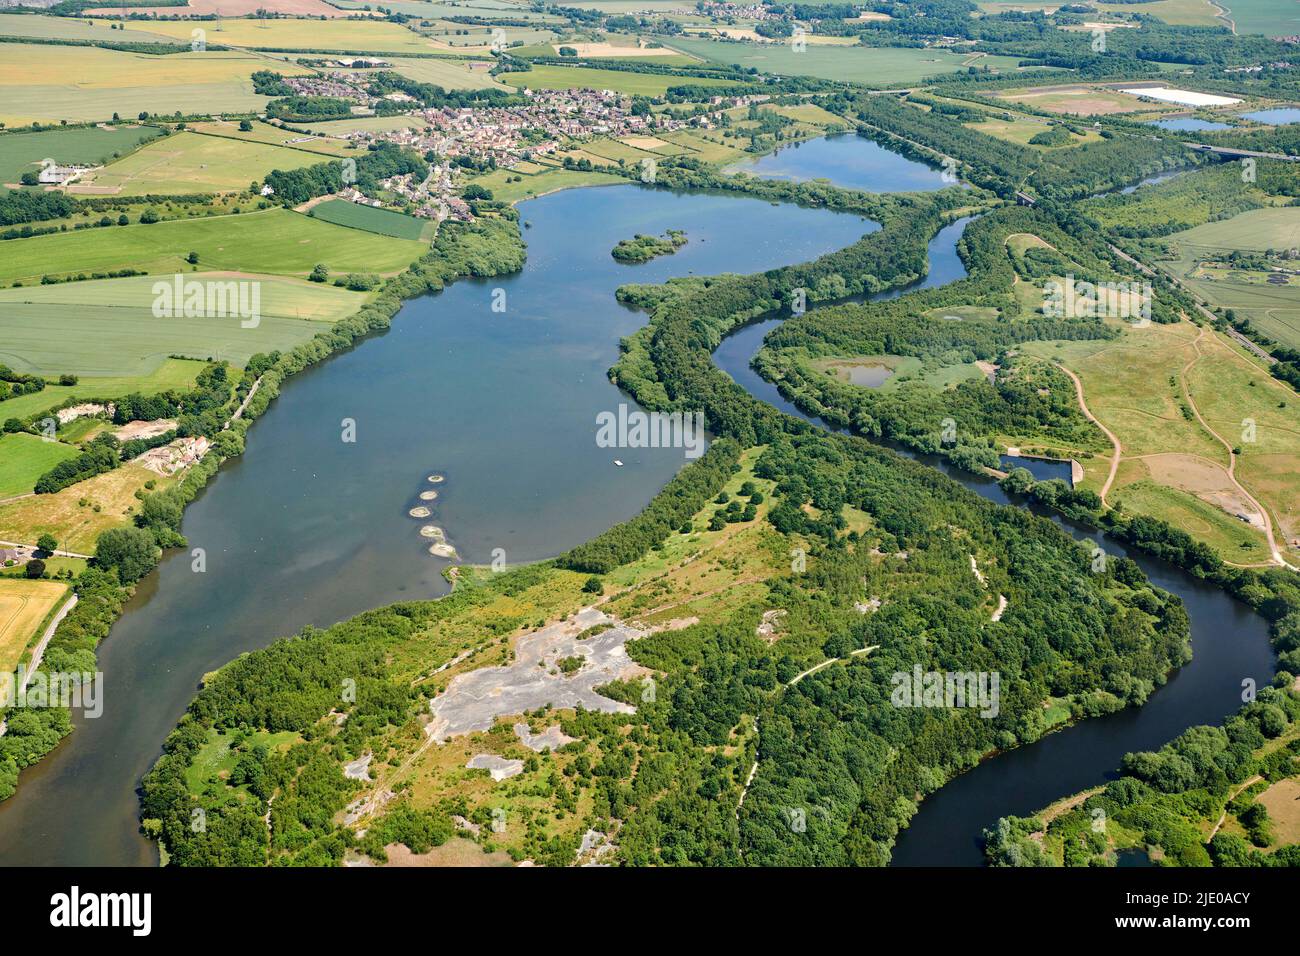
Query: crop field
pixel 1076 100
pixel 881 67
pixel 383 222
pixel 1023 130
pixel 24 606
pixel 24 458
pixel 187 162
pixel 1260 229
pixel 1179 12
pixel 233 8
pixel 1270 17
pixel 351 36
pixel 468 8
pixel 449 73
pixel 367 124
pixel 76 28
pixel 271 136
pixel 275 241
pixel 112 331
pixel 86 84
pixel 583 77
pixel 23 152
pixel 170 374
pixel 1273 308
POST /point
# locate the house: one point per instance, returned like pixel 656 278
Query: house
pixel 55 175
pixel 8 556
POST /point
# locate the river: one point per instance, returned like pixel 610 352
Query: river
pixel 306 528
pixel 1229 641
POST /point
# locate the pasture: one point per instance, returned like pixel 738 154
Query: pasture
pixel 1259 229
pixel 23 152
pixel 382 222
pixel 276 241
pixel 88 84
pixel 872 66
pixel 24 607
pixel 186 162
pixel 592 78
pixel 24 458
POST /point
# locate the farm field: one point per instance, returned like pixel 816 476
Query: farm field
pixel 272 136
pixel 24 458
pixel 87 84
pixel 79 513
pixel 188 162
pixel 1077 100
pixel 235 8
pixel 76 28
pixel 366 124
pixel 1273 308
pixel 1022 131
pixel 1179 12
pixel 449 73
pixel 881 67
pixel 275 241
pixel 583 77
pixel 170 374
pixel 23 152
pixel 113 332
pixel 24 607
pixel 350 36
pixel 383 222
pixel 468 8
pixel 1269 17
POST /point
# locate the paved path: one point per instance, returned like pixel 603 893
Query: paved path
pixel 39 651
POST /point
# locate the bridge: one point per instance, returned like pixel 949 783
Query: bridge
pixel 1241 153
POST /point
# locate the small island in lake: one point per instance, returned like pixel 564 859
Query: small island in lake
pixel 644 248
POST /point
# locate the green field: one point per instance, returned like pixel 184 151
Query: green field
pixel 351 36
pixel 448 73
pixel 582 77
pixel 76 28
pixel 1270 17
pixel 275 241
pixel 1277 228
pixel 272 136
pixel 383 222
pixel 170 374
pixel 87 84
pixel 186 162
pixel 21 152
pixel 549 181
pixel 107 327
pixel 24 458
pixel 884 66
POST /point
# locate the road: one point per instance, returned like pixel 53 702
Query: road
pixel 39 651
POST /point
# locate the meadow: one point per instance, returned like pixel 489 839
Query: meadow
pixel 872 66
pixel 382 222
pixel 186 162
pixel 1269 17
pixel 77 515
pixel 23 152
pixel 583 77
pixel 87 84
pixel 1259 229
pixel 24 607
pixel 24 458
pixel 276 241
